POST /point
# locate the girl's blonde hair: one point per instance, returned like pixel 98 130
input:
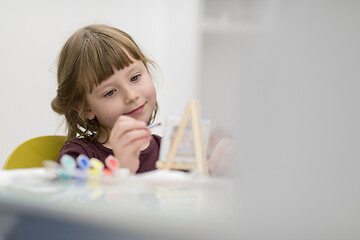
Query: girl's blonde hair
pixel 88 58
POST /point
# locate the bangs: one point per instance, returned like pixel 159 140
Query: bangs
pixel 102 52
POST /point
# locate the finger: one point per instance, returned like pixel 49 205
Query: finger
pixel 127 124
pixel 136 146
pixel 132 136
pixel 122 127
pixel 127 119
pixel 133 149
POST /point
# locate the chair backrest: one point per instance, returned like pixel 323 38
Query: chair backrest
pixel 33 152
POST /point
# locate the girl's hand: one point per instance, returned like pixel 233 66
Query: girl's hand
pixel 221 162
pixel 127 138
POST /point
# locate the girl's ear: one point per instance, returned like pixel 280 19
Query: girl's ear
pixel 85 113
pixel 88 114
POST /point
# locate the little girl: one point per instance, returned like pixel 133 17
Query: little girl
pixel 108 98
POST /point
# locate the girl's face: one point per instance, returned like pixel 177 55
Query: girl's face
pixel 129 91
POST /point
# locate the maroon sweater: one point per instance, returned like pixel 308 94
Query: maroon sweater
pixel 148 156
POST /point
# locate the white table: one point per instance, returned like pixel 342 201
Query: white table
pixel 152 206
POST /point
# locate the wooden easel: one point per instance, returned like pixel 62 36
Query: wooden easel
pixel 192 111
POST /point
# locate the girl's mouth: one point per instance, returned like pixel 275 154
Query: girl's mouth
pixel 136 111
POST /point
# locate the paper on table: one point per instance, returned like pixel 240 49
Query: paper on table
pixel 30 179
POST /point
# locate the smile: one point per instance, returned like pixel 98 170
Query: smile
pixel 136 111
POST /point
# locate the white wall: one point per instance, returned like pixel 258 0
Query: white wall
pixel 288 87
pixel 33 32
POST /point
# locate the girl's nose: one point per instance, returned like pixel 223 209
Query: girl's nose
pixel 130 95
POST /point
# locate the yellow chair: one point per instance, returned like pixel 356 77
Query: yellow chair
pixel 33 152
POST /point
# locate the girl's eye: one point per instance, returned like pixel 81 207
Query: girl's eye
pixel 135 78
pixel 110 93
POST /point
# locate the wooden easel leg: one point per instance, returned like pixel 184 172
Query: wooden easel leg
pixel 177 139
pixel 199 145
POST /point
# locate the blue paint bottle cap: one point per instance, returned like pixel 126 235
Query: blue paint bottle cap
pixel 83 161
